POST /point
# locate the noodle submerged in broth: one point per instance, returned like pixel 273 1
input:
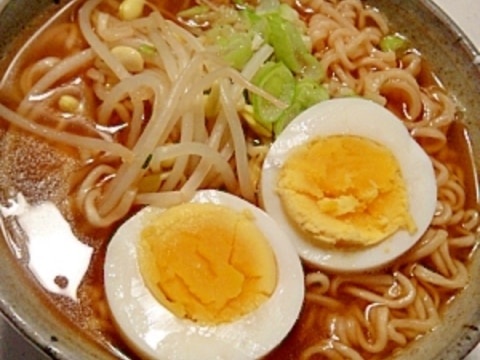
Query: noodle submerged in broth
pixel 145 109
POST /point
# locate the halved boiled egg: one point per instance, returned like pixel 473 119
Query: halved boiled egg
pixel 215 278
pixel 349 185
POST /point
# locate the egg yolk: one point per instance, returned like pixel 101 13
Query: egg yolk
pixel 207 262
pixel 345 191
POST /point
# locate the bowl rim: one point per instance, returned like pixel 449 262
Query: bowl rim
pixel 31 331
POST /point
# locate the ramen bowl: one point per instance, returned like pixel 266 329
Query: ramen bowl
pixel 450 55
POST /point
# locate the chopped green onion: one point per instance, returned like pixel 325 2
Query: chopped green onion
pixel 285 118
pixel 256 23
pixel 291 74
pixel 147 49
pixel 236 50
pixel 146 163
pixel 276 79
pixel 394 42
pixel 193 11
pixel 288 13
pixel 267 6
pixel 290 48
pixel 309 93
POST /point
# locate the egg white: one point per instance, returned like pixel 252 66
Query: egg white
pixel 154 332
pixel 364 118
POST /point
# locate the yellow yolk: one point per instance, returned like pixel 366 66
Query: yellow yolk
pixel 207 262
pixel 345 191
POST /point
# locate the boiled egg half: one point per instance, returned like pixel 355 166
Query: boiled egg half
pixel 215 278
pixel 349 185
